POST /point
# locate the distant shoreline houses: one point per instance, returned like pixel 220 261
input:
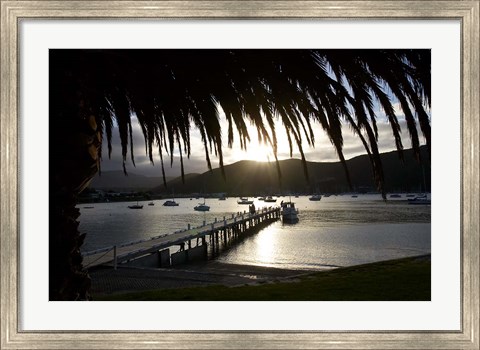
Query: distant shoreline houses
pixel 104 196
pixel 249 178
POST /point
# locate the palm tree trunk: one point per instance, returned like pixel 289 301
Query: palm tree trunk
pixel 74 161
pixel 67 278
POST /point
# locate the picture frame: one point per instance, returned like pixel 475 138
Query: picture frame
pixel 465 11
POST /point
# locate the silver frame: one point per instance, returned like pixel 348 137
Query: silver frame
pixel 466 11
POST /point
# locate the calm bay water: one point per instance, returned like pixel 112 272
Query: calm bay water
pixel 336 231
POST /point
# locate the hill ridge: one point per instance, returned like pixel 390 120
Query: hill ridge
pixel 325 177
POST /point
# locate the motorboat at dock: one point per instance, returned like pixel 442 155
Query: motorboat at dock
pixel 289 212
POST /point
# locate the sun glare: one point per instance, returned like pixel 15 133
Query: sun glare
pixel 259 152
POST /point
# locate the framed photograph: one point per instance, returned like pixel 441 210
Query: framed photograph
pixel 41 39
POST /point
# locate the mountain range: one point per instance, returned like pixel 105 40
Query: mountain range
pixel 256 178
pixel 247 178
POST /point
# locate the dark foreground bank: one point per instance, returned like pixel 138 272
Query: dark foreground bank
pixel 407 279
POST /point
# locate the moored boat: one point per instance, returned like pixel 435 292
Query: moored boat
pixel 244 200
pixel 171 202
pixel 289 212
pixel 201 207
pixel 420 200
pixel 270 199
pixel 418 197
pixel 315 197
pixel 135 206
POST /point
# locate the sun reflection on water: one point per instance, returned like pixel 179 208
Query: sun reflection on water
pixel 337 231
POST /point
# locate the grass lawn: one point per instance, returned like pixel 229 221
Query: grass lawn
pixel 406 279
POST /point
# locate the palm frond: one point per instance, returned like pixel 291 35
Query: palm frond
pixel 171 90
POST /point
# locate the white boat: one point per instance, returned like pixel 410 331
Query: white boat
pixel 244 200
pixel 418 197
pixel 201 207
pixel 135 206
pixel 315 197
pixel 170 203
pixel 420 200
pixel 270 199
pixel 289 212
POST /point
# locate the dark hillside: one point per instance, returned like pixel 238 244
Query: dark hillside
pixel 255 178
pixel 118 181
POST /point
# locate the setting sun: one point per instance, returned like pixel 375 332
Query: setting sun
pixel 256 151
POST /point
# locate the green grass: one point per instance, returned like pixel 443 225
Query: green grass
pixel 404 279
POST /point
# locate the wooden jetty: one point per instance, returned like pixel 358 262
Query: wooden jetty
pixel 193 242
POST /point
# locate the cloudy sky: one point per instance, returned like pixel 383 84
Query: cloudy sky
pixel 323 151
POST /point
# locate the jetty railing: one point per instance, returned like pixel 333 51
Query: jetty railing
pixel 237 224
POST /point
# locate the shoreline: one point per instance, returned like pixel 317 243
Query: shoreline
pixel 108 282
